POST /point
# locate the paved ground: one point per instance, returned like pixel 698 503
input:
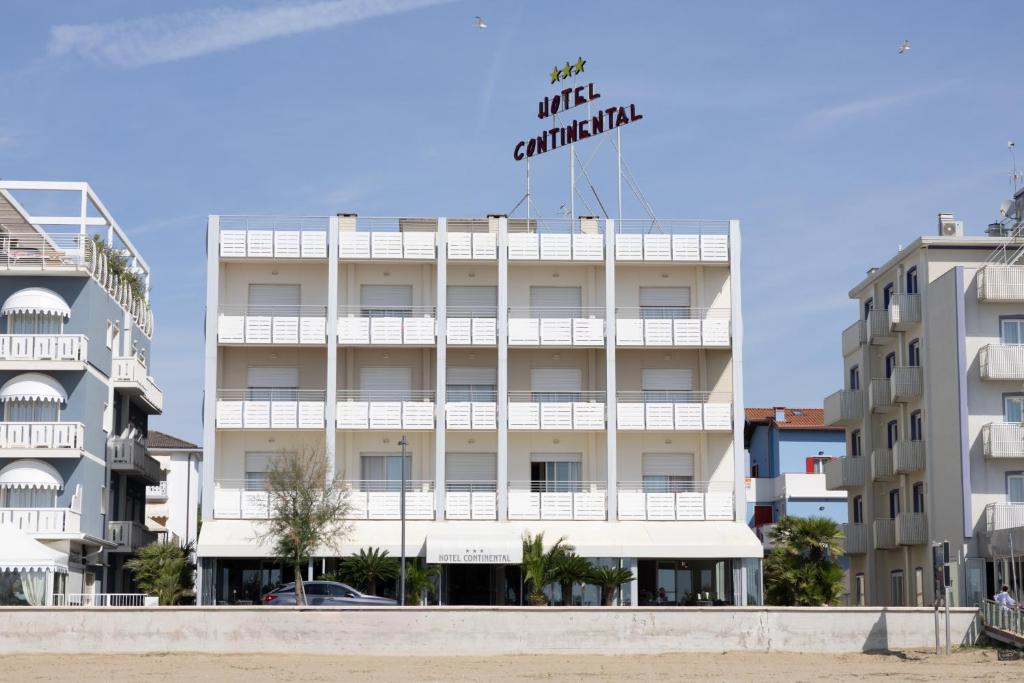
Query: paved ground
pixel 965 665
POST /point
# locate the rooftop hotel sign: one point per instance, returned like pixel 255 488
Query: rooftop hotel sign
pixel 599 119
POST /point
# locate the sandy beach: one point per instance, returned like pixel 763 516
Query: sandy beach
pixel 964 665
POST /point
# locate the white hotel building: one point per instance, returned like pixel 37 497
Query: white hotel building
pixel 581 378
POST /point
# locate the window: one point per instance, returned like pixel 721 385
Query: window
pixel 894 503
pixel 383 471
pixel 554 473
pixel 273 383
pixel 858 590
pixel 855 443
pixel 385 384
pixel 472 384
pixel 385 301
pixel 667 472
pixel 854 378
pixel 892 433
pixel 472 301
pixel 556 385
pixel 918 493
pixel 666 385
pixel 556 302
pixel 32 411
pixel 916 426
pixel 28 498
pixel 763 514
pixel 664 302
pixel 914 353
pixel 1013 408
pixel 858 509
pixel 887 296
pixel 34 323
pixel 274 299
pixel 816 464
pixel 113 336
pixel 890 363
pixel 256 467
pixel 912 280
pixel 755 471
pixel 1015 487
pixel 919 587
pixel 869 305
pixel 1011 330
pixel 896 588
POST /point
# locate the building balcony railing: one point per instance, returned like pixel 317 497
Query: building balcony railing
pixel 843 408
pixel 676 501
pixel 382 409
pixel 581 500
pixel 1002 361
pixel 878 329
pixel 885 534
pixel 556 326
pixel 659 240
pixel 880 395
pixel 363 237
pixel 368 499
pixel 471 500
pixel 272 325
pixel 471 327
pixel 43 347
pixel 472 410
pixel 157 493
pixel 845 473
pixel 905 384
pixel 100 599
pixel 41 520
pixel 908 456
pixel 1003 516
pixel 673 326
pixel 270 409
pixel 56 435
pixel 881 464
pixel 556 239
pixel 279 237
pixel 471 246
pixel 129 536
pixel 911 528
pixel 387 325
pixel 555 410
pixel 130 457
pixel 855 538
pixel 693 411
pixel 904 311
pixel 1001 283
pixel 854 337
pixel 1003 440
pixel 130 376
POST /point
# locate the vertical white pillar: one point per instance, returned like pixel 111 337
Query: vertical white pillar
pixel 331 398
pixel 634 585
pixel 612 428
pixel 441 368
pixel 210 366
pixel 738 416
pixel 502 368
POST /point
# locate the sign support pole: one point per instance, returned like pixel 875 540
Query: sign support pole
pixel 949 591
pixel 618 171
pixel 572 181
pixel 528 198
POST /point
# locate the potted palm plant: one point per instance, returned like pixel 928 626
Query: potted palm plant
pixel 608 579
pixel 420 581
pixel 538 564
pixel 368 567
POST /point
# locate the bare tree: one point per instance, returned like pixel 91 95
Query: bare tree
pixel 309 507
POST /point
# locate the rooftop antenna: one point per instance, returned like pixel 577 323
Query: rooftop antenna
pixel 1015 175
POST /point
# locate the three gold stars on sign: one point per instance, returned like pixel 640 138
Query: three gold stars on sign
pixel 560 74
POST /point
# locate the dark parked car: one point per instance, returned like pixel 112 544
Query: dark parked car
pixel 328 593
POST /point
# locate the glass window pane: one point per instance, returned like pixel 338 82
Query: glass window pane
pixel 1014 408
pixel 1015 488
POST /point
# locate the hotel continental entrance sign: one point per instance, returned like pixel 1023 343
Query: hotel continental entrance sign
pixel 496 550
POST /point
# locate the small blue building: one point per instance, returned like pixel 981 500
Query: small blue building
pixel 787 450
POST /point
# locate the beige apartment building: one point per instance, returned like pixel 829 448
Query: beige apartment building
pixel 580 378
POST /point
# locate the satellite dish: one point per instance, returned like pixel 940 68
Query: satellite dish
pixel 1005 208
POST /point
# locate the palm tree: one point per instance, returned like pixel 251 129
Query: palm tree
pixel 570 569
pixel 538 565
pixel 801 569
pixel 368 567
pixel 608 579
pixel 420 581
pixel 164 570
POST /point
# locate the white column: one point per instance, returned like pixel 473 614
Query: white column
pixel 331 398
pixel 502 369
pixel 612 430
pixel 634 585
pixel 441 367
pixel 210 367
pixel 740 500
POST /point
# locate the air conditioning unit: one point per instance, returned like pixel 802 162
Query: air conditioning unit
pixel 948 227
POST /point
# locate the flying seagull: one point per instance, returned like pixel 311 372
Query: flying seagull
pixel 480 23
pixel 905 47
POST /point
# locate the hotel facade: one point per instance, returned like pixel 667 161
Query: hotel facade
pixel 580 378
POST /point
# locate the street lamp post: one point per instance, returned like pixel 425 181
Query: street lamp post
pixel 401 512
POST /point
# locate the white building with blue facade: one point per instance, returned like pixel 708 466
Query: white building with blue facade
pixel 75 396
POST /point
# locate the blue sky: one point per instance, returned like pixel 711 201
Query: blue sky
pixel 798 118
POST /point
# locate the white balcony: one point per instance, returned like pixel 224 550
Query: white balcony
pixel 465 327
pixel 472 246
pixel 998 283
pixel 556 240
pixel 1003 440
pixel 577 500
pixel 880 395
pixel 131 377
pixel 410 326
pixel 844 408
pixel 689 501
pixel 855 538
pixel 846 473
pixel 904 311
pixel 571 411
pixel 41 520
pixel 556 327
pixel 27 348
pixel 130 457
pixel 473 414
pixel 64 438
pixel 908 456
pixel 885 534
pixel 911 528
pixel 367 500
pixel 157 493
pixel 272 325
pixel 905 384
pixel 878 330
pixel 696 327
pixel 1003 516
pixel 686 411
pixel 881 464
pixel 385 239
pixel 276 237
pixel 672 240
pixel 471 500
pixel 1002 361
pixel 270 409
pixel 386 410
pixel 854 337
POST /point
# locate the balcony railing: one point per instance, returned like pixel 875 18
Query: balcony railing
pixel 45 347
pixel 557 240
pixel 563 411
pixel 674 411
pixel 844 473
pixel 365 237
pixel 130 457
pixel 99 600
pixel 157 493
pixel 471 500
pixel 471 327
pixel 885 534
pixel 368 499
pixel 556 326
pixel 272 325
pixel 855 538
pixel 673 326
pixel 908 456
pixel 129 536
pixel 270 409
pixel 41 520
pixel 672 240
pixel 279 237
pixel 1002 361
pixel 558 500
pixel 878 328
pixel 382 409
pixel 854 337
pixel 911 528
pixel 471 410
pixel 1003 440
pixel 130 375
pixel 905 384
pixel 1003 516
pixel 1001 283
pixel 56 435
pixel 844 407
pixel 880 395
pixel 387 325
pixel 471 246
pixel 904 311
pixel 676 501
pixel 881 464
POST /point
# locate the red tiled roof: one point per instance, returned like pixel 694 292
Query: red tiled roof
pixel 796 418
pixel 161 440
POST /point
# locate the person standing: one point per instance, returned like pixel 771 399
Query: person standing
pixel 1004 600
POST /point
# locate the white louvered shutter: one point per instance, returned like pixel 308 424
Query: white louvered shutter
pixel 665 296
pixel 487 376
pixel 469 467
pixel 556 379
pixel 385 296
pixel 566 300
pixel 274 299
pixel 277 377
pixel 393 384
pixel 668 464
pixel 675 379
pixel 472 301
